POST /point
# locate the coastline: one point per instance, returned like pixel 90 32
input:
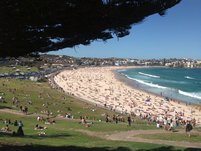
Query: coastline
pixel 134 85
pixel 116 92
pixel 170 94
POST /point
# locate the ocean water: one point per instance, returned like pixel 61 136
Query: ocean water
pixel 176 83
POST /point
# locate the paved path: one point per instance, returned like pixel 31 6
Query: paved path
pixel 11 111
pixel 133 136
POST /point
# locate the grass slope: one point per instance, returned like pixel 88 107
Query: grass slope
pixel 63 135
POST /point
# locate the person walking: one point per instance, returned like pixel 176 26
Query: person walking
pixel 189 127
pixel 129 121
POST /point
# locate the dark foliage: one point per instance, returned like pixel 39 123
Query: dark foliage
pixel 76 148
pixel 42 25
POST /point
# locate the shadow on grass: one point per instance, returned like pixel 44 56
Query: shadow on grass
pixel 170 148
pixel 77 148
pixel 34 136
pixel 4 107
pixel 47 136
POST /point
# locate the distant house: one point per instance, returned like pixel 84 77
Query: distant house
pixel 57 65
pixel 116 63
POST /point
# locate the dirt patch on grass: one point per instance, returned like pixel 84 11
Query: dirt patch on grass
pixel 132 136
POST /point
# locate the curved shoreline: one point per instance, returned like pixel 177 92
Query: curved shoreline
pixel 101 86
pixel 134 85
pixel 163 91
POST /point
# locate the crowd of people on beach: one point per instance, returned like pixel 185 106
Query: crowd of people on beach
pixel 101 87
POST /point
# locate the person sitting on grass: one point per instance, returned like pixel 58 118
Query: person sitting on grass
pixel 37 127
pixel 25 110
pixel 84 122
pixel 50 121
pixel 42 134
pixel 40 118
pixel 15 123
pixel 6 129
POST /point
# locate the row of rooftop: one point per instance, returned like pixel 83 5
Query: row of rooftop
pixel 54 61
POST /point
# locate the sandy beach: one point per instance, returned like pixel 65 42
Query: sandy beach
pixel 100 86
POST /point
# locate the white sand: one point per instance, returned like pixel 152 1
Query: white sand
pixel 99 85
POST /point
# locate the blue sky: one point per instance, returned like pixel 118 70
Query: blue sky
pixel 177 34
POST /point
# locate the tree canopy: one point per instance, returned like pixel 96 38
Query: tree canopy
pixel 29 26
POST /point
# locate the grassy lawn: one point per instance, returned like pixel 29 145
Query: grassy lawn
pixel 64 134
pixel 5 69
pixel 44 99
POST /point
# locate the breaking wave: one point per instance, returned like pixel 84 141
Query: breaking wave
pixel 146 83
pixel 187 77
pixel 149 75
pixel 193 95
pixel 121 70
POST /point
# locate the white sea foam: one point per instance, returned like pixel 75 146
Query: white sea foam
pixel 193 95
pixel 121 70
pixel 187 77
pixel 146 83
pixel 149 75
